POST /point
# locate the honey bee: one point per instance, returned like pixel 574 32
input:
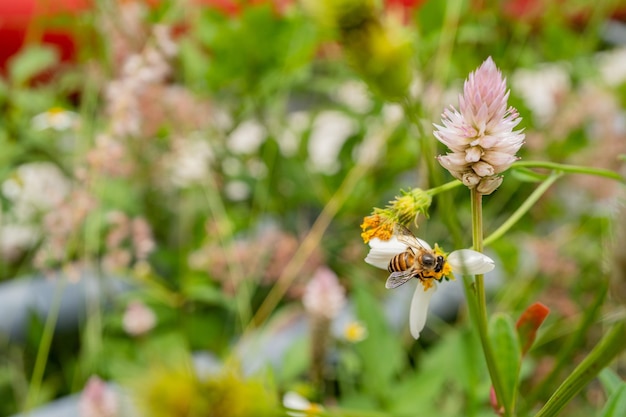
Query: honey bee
pixel 415 262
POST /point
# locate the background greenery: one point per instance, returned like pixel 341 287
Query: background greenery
pixel 269 208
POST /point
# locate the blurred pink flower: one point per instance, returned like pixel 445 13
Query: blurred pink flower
pixel 323 295
pixel 138 319
pixel 480 134
pixel 97 400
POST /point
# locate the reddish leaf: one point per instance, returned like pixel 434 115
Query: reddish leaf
pixel 529 323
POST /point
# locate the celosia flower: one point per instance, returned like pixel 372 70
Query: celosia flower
pixel 323 295
pixel 463 261
pixel 480 134
pixel 138 319
pixel 97 400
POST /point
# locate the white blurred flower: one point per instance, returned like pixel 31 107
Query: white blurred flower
pixel 542 89
pixel 612 66
pixel 15 239
pixel 163 37
pixel 330 131
pixel 355 95
pixel 97 400
pixel 190 161
pixel 290 136
pixel 55 118
pixel 323 295
pixel 237 190
pixel 247 138
pixel 35 187
pixel 464 261
pixel 138 319
pixel 294 401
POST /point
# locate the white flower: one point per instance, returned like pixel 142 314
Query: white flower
pixel 35 187
pixel 294 401
pixel 55 118
pixel 463 261
pixel 330 131
pixel 247 138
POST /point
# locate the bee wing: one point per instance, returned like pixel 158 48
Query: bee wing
pixel 404 235
pixel 398 278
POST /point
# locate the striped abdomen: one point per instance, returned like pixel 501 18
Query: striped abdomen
pixel 401 262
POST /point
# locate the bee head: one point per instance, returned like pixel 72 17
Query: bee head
pixel 439 263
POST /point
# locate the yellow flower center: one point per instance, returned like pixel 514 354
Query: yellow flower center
pixel 375 226
pixel 355 332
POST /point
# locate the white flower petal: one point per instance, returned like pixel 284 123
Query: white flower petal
pixel 470 262
pixel 381 251
pixel 419 308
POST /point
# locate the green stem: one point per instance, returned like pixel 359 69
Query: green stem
pixel 523 209
pixel 609 347
pixel 443 188
pixel 571 169
pixel 481 301
pixel 44 346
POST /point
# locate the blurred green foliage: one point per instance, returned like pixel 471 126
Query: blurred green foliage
pixel 285 72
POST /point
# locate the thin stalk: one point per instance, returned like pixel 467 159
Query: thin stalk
pixel 443 188
pixel 523 209
pixel 570 169
pixel 44 346
pixel 316 233
pixel 481 301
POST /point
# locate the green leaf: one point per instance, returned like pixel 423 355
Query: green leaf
pixel 31 62
pixel 609 347
pixel 205 292
pixel 381 352
pixel 610 381
pixel 616 404
pixel 508 356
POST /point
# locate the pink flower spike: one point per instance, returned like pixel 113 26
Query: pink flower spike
pixel 480 134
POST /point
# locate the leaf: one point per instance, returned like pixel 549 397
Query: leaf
pixel 528 324
pixel 508 356
pixel 610 381
pixel 381 352
pixel 611 345
pixel 30 62
pixel 616 404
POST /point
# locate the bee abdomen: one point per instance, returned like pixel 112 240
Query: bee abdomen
pixel 401 262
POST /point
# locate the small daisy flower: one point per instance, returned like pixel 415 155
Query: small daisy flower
pixel 56 118
pixel 354 332
pixel 480 134
pixel 294 401
pixel 463 261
